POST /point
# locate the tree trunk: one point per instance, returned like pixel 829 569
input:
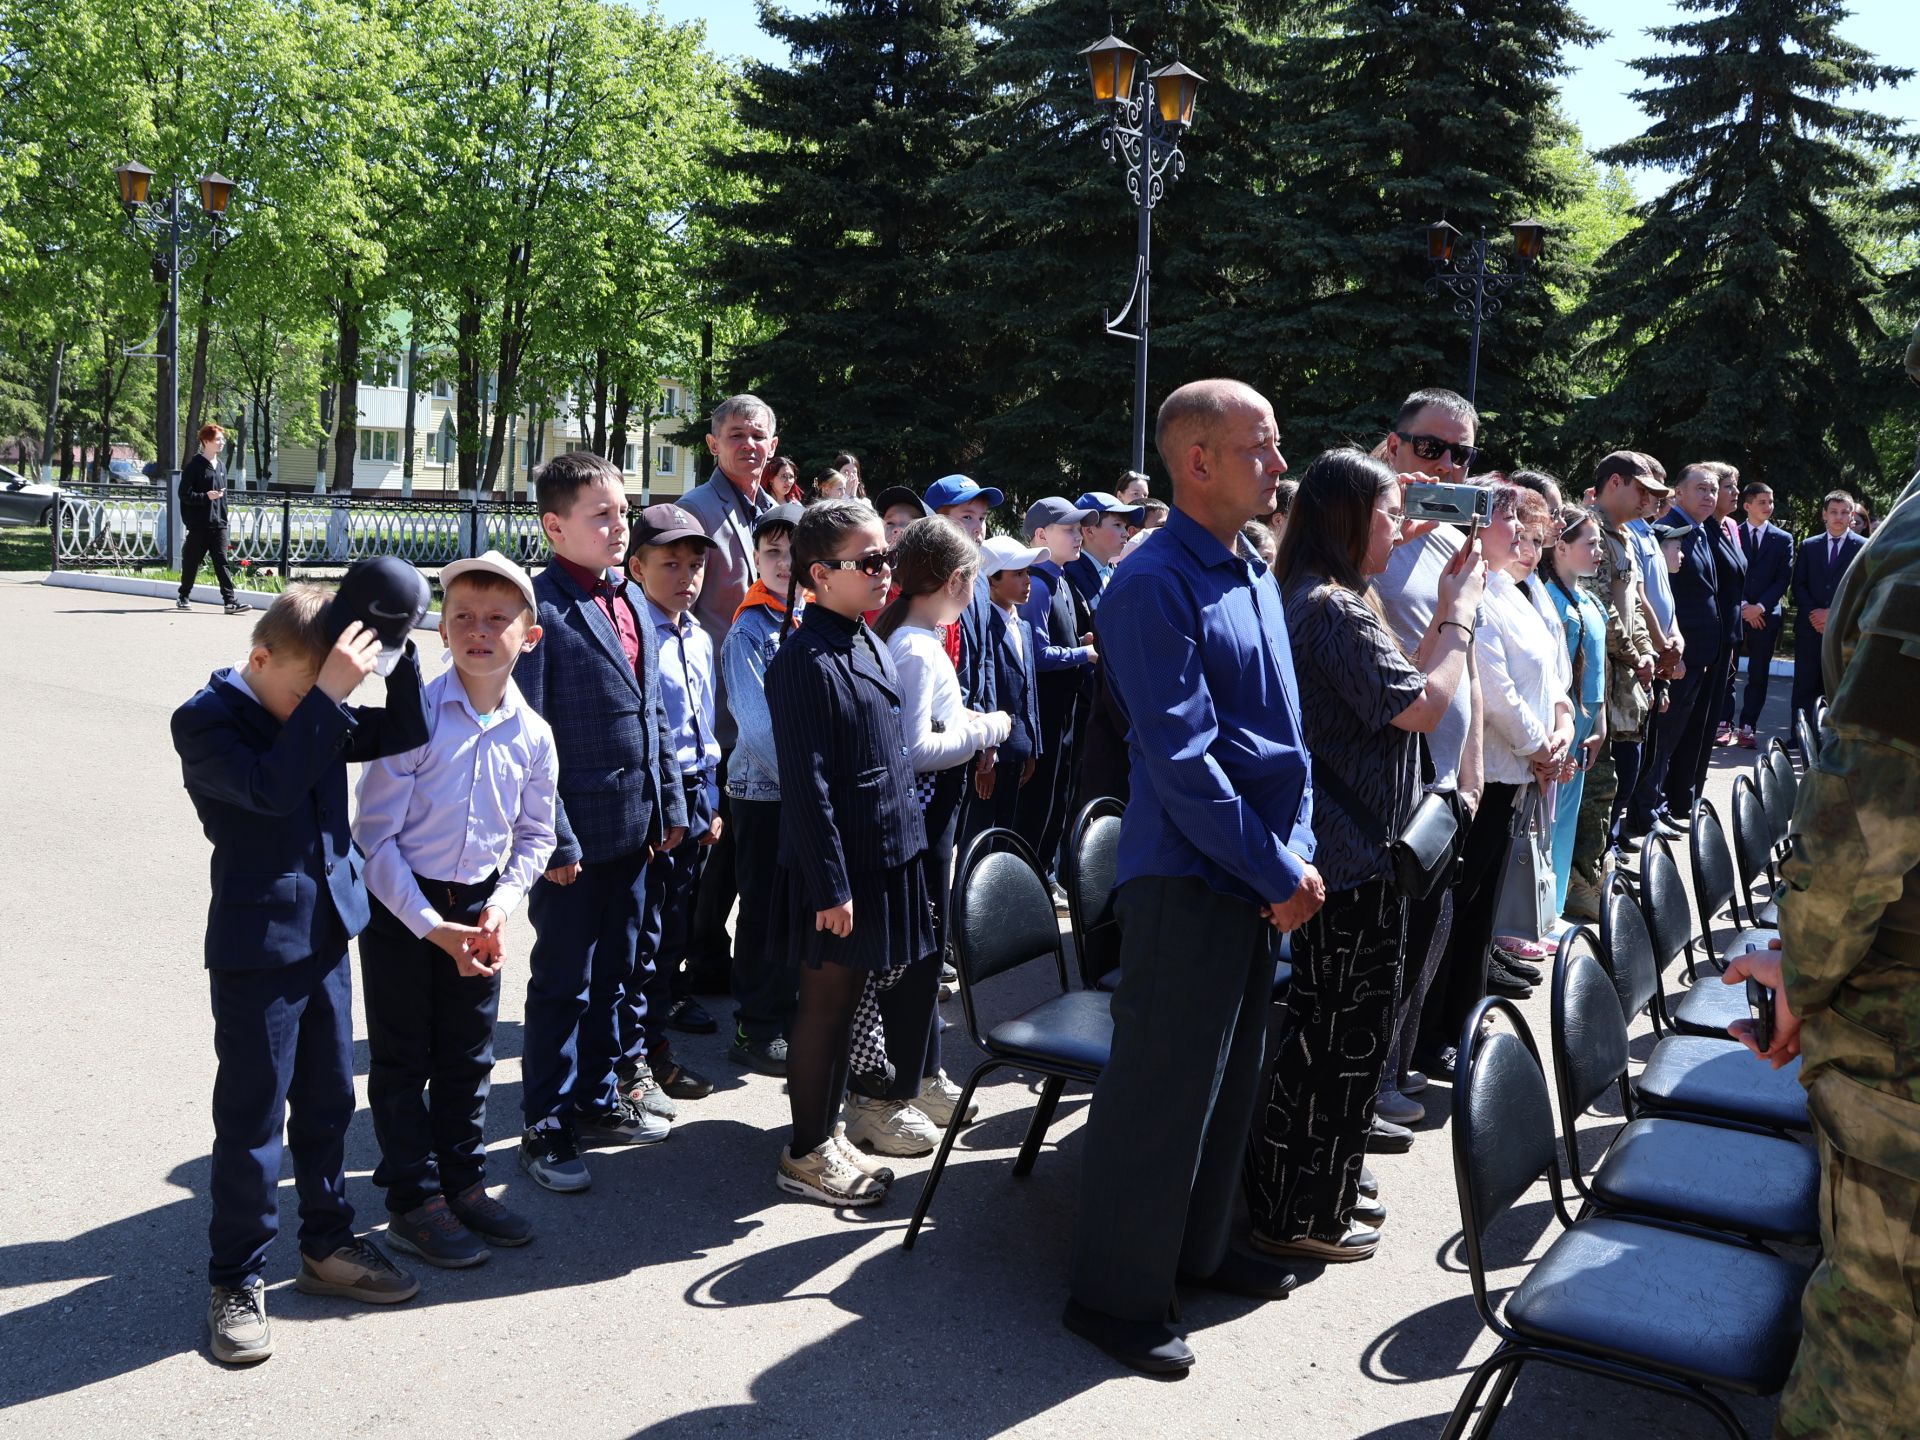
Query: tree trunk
pixel 646 453
pixel 68 441
pixel 597 436
pixel 197 391
pixel 617 435
pixel 346 435
pixel 413 395
pixel 703 461
pixel 98 472
pixel 329 395
pixel 52 431
pixel 466 395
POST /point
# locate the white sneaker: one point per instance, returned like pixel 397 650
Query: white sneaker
pixel 871 1168
pixel 889 1127
pixel 826 1175
pixel 939 1097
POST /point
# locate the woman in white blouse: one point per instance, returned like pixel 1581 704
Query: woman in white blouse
pixel 1528 727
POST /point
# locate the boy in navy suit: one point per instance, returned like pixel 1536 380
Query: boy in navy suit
pixel 1005 564
pixel 1822 560
pixel 263 751
pixel 1063 635
pixel 1769 551
pixel 595 677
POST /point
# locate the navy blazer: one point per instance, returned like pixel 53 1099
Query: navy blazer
pixel 1054 613
pixel 1729 579
pixel 976 671
pixel 619 786
pixel 1084 576
pixel 1014 676
pixel 1815 582
pixel 1769 568
pixel 1696 602
pixel 273 800
pixel 847 801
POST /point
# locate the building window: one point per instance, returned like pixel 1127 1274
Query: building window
pixel 663 460
pixel 669 401
pixel 443 390
pixel 630 462
pixel 381 445
pixel 382 372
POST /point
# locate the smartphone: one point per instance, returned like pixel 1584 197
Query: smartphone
pixel 1453 504
pixel 1760 1008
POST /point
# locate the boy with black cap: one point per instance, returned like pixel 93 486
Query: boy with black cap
pixel 263 752
pixel 668 561
pixel 1064 655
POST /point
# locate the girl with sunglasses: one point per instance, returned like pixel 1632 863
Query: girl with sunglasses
pixel 850 897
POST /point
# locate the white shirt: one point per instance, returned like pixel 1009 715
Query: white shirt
pixel 930 692
pixel 1519 678
pixel 1012 612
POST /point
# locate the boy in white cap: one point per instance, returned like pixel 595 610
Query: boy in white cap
pixel 1005 566
pixel 455 833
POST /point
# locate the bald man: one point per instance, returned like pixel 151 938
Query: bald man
pixel 1215 859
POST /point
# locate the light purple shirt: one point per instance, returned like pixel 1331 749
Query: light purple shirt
pixel 477 797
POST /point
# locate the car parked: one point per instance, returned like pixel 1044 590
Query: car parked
pixel 24 501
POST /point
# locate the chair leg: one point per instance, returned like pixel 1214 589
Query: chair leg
pixel 1718 1408
pixel 1497 1399
pixel 1037 1128
pixel 1463 1407
pixel 1692 974
pixel 946 1149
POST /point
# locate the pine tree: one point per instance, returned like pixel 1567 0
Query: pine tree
pixel 1742 303
pixel 844 240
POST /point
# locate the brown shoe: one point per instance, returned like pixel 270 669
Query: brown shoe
pixel 358 1270
pixel 1357 1244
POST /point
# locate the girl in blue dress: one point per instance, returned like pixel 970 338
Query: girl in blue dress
pixel 1568 561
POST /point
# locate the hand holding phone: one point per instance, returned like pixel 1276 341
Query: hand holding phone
pixel 1760 1010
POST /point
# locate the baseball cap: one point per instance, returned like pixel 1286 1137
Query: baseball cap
pixel 788 514
pixel 958 489
pixel 1664 533
pixel 904 495
pixel 490 563
pixel 1003 552
pixel 665 523
pixel 1630 462
pixel 1054 510
pixel 1109 504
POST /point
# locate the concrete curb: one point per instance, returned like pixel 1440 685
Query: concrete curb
pixel 167 590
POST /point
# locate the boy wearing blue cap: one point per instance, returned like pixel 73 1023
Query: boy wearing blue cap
pixel 1101 541
pixel 1064 658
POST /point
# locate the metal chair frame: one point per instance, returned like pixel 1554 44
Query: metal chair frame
pixel 1100 808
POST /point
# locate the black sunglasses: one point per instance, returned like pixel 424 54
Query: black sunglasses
pixel 873 564
pixel 1432 447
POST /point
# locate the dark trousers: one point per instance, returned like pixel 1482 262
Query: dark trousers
pixel 1691 694
pixel 1809 681
pixel 205 542
pixel 584 939
pixel 1760 645
pixel 709 951
pixel 1462 980
pixel 284 1041
pixel 1041 812
pixel 669 887
pixel 430 1044
pixel 1696 775
pixel 1310 1134
pixel 1167 1133
pixel 999 811
pixel 1626 756
pixel 1695 743
pixel 765 986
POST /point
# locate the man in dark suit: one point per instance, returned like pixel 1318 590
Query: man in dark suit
pixel 1822 560
pixel 1769 552
pixel 1695 693
pixel 1730 583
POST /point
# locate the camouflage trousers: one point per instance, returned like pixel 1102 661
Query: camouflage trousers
pixel 1595 818
pixel 1857 1376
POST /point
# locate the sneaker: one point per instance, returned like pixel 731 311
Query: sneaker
pixel 488 1218
pixel 1392 1106
pixel 680 1082
pixel 825 1174
pixel 1512 947
pixel 949 981
pixel 1357 1244
pixel 689 1015
pixel 939 1097
pixel 434 1233
pixel 237 1320
pixel 621 1123
pixel 1412 1082
pixel 1747 742
pixel 1506 984
pixel 1583 900
pixel 1724 735
pixel 1369 1186
pixel 643 1092
pixel 552 1157
pixel 763 1057
pixel 889 1127
pixel 1503 959
pixel 234 607
pixel 1630 844
pixel 859 1159
pixel 1368 1211
pixel 1060 901
pixel 358 1270
pixel 1386 1138
pixel 182 604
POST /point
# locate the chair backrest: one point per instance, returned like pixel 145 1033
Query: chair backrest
pixel 1003 915
pixel 1781 764
pixel 1663 900
pixel 1808 737
pixel 1092 859
pixel 1711 862
pixel 1503 1137
pixel 1751 846
pixel 1774 804
pixel 1627 949
pixel 1589 1036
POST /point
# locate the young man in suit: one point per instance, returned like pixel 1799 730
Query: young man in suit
pixel 1822 560
pixel 1730 585
pixel 1100 544
pixel 1769 552
pixel 264 748
pixel 203 511
pixel 595 677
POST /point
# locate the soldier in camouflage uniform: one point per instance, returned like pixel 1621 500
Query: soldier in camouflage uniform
pixel 1850 965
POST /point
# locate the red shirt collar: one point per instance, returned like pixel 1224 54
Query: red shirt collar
pixel 593 582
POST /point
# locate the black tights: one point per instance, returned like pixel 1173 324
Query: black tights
pixel 817 1051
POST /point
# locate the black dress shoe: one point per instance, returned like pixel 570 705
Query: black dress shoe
pixel 1138 1344
pixel 1524 971
pixel 1369 1212
pixel 1369 1185
pixel 689 1015
pixel 1386 1138
pixel 1499 982
pixel 1246 1275
pixel 681 1083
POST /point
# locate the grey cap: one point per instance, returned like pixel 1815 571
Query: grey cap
pixel 1057 510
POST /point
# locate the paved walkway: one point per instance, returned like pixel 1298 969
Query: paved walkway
pixel 681 1295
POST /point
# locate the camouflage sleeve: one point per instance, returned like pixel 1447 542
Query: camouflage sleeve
pixel 1857 823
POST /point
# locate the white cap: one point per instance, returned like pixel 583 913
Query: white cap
pixel 1003 552
pixel 491 563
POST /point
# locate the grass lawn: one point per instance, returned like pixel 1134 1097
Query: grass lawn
pixel 26 548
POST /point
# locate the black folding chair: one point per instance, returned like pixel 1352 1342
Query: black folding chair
pixel 1809 739
pixel 1002 918
pixel 1665 1306
pixel 1093 849
pixel 1715 885
pixel 1781 764
pixel 1707 1007
pixel 1626 949
pixel 1727 1177
pixel 1752 854
pixel 1776 803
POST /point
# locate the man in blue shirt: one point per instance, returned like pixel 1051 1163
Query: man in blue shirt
pixel 1215 856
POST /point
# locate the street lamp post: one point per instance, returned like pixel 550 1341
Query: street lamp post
pixel 174 234
pixel 1146 116
pixel 1477 281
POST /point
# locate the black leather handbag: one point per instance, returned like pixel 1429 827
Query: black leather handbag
pixel 1424 851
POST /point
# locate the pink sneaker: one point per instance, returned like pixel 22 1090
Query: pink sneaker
pixel 1747 742
pixel 1521 949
